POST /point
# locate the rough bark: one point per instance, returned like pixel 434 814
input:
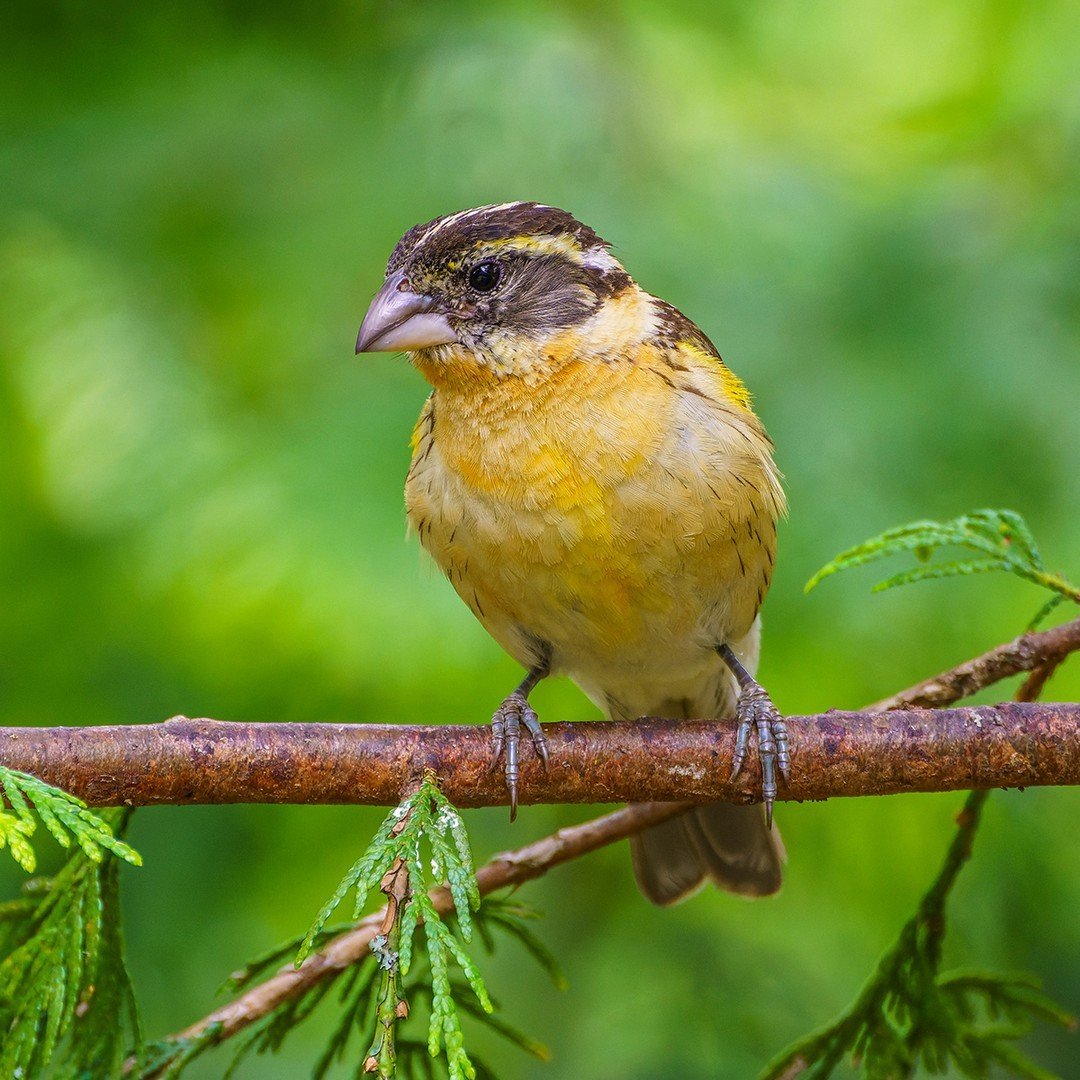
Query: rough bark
pixel 838 754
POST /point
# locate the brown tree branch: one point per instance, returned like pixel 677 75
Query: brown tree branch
pixel 838 754
pixel 206 761
pixel 1026 653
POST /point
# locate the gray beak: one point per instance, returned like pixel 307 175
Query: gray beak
pixel 400 320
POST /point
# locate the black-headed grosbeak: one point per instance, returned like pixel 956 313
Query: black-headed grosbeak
pixel 590 476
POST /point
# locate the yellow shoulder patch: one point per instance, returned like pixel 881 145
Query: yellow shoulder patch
pixel 730 385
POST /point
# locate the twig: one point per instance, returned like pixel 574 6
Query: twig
pixel 1025 653
pixel 907 976
pixel 912 961
pixel 1032 687
pixel 391 1005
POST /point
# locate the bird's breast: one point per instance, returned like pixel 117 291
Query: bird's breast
pixel 595 512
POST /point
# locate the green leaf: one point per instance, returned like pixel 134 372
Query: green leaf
pixel 491 1019
pixel 940 570
pixel 428 835
pixel 107 1027
pixel 166 1060
pixel 1044 612
pixel 922 537
pixel 14 833
pixel 65 996
pixel 1009 1057
pixel 364 875
pixel 63 815
pixel 511 919
pixel 1001 538
pixel 910 1015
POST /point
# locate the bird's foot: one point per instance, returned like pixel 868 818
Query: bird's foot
pixel 756 710
pixel 506 726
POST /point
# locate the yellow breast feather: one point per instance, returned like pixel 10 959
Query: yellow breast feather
pixel 599 504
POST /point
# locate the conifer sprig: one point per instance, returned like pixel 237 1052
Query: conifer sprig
pixel 910 1015
pixel 375 996
pixel 1000 539
pixel 28 800
pixel 359 990
pixel 423 841
pixel 65 995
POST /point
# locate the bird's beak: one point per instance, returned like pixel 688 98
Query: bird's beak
pixel 400 320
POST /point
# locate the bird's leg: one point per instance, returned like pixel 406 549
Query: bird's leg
pixel 755 709
pixel 506 732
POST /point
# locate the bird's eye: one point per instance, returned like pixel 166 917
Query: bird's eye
pixel 484 277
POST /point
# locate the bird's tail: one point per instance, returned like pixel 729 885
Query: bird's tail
pixel 726 844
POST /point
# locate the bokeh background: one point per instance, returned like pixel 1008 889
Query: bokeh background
pixel 873 210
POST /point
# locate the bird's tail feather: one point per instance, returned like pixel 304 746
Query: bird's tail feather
pixel 726 844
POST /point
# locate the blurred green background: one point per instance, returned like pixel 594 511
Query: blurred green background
pixel 874 211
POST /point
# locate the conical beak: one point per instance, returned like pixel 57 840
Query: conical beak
pixel 400 320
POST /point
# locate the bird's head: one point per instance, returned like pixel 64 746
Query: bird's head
pixel 493 283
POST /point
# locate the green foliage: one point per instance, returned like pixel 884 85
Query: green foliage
pixel 910 1015
pixel 63 982
pixel 513 919
pixel 494 917
pixel 1000 539
pixel 65 816
pixel 167 1059
pixel 424 836
pixel 425 816
pixel 65 994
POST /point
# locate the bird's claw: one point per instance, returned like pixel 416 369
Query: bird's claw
pixel 506 725
pixel 756 710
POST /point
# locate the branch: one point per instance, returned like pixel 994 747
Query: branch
pixel 1029 652
pixel 205 761
pixel 837 753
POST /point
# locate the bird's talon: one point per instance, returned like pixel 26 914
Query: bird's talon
pixel 532 725
pixel 498 741
pixel 514 713
pixel 783 751
pixel 742 738
pixel 756 710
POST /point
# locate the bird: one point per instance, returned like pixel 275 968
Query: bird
pixel 592 479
